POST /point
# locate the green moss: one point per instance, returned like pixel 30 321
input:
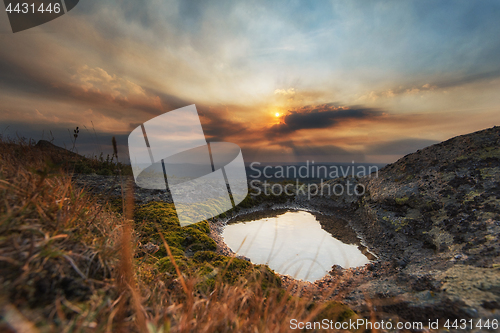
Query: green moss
pixel 165 265
pixel 490 172
pixel 209 267
pixel 207 256
pixel 335 311
pixel 176 251
pixel 402 201
pixel 190 239
pixel 490 152
pixel 115 204
pixel 233 269
pixel 159 216
pixel 194 240
pixel 471 195
pixel 398 223
pixel 200 226
pixel 266 277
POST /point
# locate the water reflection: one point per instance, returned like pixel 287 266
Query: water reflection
pixel 292 243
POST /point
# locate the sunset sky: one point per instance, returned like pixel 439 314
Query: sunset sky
pixel 288 81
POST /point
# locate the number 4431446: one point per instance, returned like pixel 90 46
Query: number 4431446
pixel 31 8
pixel 463 324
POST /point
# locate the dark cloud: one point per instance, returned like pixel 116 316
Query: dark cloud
pixel 24 79
pixel 322 116
pixel 452 81
pixel 473 78
pixel 218 126
pixel 28 80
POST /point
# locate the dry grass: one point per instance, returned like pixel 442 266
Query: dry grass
pixel 68 265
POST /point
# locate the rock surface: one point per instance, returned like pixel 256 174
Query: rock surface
pixel 433 218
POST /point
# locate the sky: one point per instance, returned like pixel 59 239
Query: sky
pixel 288 81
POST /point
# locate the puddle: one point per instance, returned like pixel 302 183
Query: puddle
pixel 294 243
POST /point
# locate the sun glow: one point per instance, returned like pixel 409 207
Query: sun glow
pixel 277 114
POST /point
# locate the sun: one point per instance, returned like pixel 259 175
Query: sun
pixel 277 114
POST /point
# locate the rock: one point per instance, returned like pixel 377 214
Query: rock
pixel 150 248
pixel 432 218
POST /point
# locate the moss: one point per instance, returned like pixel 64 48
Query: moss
pixel 448 176
pixel 398 223
pixel 190 239
pixel 176 251
pixel 409 177
pixel 335 311
pixel 490 172
pixel 266 277
pixel 209 267
pixel 210 207
pixel 115 204
pixel 192 249
pixel 159 216
pixel 166 265
pixel 207 256
pixel 233 269
pixel 402 201
pixel 146 273
pixel 200 226
pixel 471 195
pixel 490 152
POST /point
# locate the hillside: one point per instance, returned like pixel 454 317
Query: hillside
pixel 433 219
pixel 76 256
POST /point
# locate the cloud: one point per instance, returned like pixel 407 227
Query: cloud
pixel 97 79
pixel 97 84
pixel 287 92
pixel 218 126
pixel 468 79
pixel 321 116
pixel 107 94
pixel 453 81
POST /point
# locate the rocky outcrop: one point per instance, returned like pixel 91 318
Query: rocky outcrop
pixel 433 217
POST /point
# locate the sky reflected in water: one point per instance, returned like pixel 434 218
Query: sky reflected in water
pixel 292 243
